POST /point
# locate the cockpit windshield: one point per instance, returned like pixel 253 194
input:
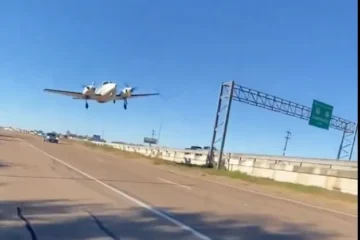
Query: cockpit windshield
pixel 104 83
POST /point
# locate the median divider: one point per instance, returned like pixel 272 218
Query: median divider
pixel 324 173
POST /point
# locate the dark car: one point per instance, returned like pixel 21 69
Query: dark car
pixel 51 137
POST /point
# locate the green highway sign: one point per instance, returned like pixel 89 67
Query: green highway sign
pixel 321 114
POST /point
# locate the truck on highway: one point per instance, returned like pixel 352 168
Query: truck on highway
pixel 51 137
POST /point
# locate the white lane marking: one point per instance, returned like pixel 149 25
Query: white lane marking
pixel 99 160
pixel 138 202
pixel 255 192
pixel 270 196
pixel 179 185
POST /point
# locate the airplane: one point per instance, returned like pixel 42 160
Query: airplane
pixel 105 93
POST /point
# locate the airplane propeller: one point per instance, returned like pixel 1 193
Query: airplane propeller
pixel 89 86
pixel 128 88
pixel 132 89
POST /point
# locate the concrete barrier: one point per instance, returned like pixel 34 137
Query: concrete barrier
pixel 330 174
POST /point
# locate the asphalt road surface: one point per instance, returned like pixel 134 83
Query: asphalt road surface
pixel 61 191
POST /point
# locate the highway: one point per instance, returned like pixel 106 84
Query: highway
pixel 64 191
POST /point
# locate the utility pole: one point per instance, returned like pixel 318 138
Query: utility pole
pixel 287 138
pixel 158 138
pixel 152 136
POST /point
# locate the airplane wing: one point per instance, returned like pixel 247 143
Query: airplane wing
pixel 75 95
pixel 123 96
pixel 66 93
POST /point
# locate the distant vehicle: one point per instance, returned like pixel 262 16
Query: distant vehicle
pixel 51 137
pixel 194 148
pixel 96 138
pixel 200 148
pixel 208 148
pixel 105 93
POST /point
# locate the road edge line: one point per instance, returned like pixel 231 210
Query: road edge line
pixel 134 200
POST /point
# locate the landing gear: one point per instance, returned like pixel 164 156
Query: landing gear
pixel 125 104
pixel 114 101
pixel 86 105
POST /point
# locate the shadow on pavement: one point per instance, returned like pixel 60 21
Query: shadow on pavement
pixel 84 179
pixel 3 164
pixel 135 223
pixel 7 138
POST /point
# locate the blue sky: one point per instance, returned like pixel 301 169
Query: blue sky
pixel 298 50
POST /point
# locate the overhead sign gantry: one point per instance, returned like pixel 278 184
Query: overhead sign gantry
pixel 320 115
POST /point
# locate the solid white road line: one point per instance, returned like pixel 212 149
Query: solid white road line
pixel 134 200
pixel 179 185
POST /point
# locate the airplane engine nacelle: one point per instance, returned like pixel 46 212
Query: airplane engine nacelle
pixel 127 92
pixel 89 91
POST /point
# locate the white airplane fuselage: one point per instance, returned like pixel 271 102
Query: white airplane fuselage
pixel 106 93
pixel 103 94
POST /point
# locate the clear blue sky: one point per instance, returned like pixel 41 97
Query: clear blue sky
pixel 298 50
